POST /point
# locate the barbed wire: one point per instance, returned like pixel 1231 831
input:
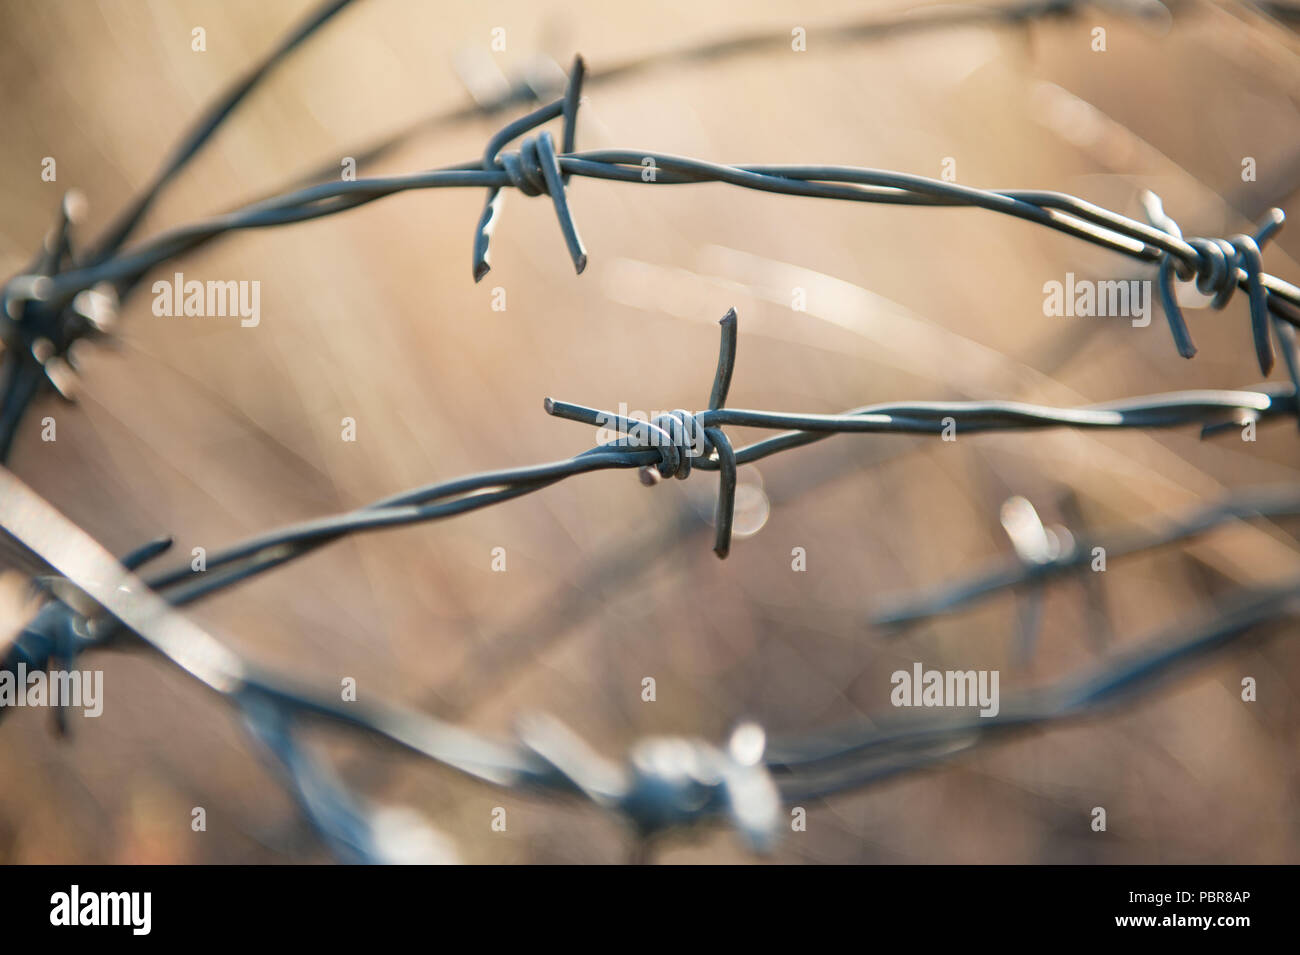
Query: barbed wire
pixel 1218 265
pixel 1038 564
pixel 672 444
pixel 100 603
pixel 669 782
pixel 543 76
pixel 64 297
pixel 664 783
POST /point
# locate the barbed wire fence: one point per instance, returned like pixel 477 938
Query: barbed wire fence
pixel 41 325
pixel 100 602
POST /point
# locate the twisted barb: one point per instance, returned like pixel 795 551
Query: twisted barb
pixel 680 437
pixel 537 169
pixel 1218 265
pixel 684 441
pixel 39 330
pixel 534 170
pixel 64 296
pixel 663 783
pixel 1024 572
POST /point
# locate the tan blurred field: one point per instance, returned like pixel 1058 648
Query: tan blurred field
pixel 211 432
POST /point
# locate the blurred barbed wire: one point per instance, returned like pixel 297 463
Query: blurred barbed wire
pixel 666 782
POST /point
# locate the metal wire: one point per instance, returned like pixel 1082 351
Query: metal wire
pixel 1255 504
pixel 656 791
pixel 1218 265
pixel 663 783
pixel 63 297
pixel 673 444
pixel 99 603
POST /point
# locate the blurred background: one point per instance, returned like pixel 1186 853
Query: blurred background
pixel 211 432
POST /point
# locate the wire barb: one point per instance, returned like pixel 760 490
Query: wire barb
pixel 1217 267
pixel 98 603
pixel 682 440
pixel 1253 505
pixel 665 783
pixel 534 170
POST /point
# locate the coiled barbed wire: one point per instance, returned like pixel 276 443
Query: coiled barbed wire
pixel 668 782
pixel 538 169
pixel 64 297
pixel 663 783
pixel 673 450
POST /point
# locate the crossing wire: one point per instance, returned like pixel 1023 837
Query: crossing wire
pixel 100 603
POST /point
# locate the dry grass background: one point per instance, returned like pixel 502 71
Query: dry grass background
pixel 211 432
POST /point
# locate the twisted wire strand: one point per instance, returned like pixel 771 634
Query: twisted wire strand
pixel 837 760
pixel 39 335
pixel 672 451
pixel 531 88
pixel 1058 211
pixel 205 126
pixel 46 307
pixel 1252 505
pixel 666 783
pixel 64 296
pixel 663 783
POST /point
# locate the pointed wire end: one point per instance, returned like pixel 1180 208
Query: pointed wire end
pixel 1219 427
pixel 726 360
pixel 142 555
pixel 62 377
pixel 1269 225
pixel 577 73
pixel 1261 326
pixel 1151 204
pixel 74 205
pixel 572 100
pixel 580 263
pixel 1173 314
pixel 722 549
pixel 481 269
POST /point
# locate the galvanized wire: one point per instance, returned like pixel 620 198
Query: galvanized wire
pixel 663 783
pixel 664 447
pixel 1219 266
pixel 673 444
pixel 101 604
pixel 64 296
pixel 1254 504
